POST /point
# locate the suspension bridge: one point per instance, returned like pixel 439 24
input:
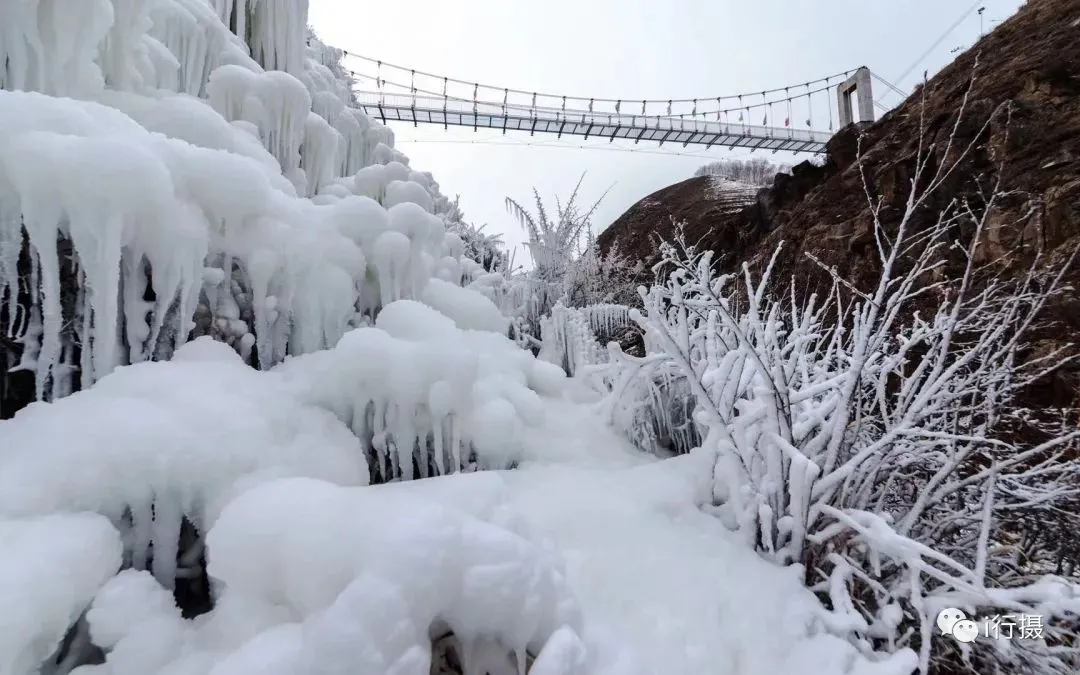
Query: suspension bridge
pixel 798 118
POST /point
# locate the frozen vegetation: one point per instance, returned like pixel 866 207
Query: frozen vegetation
pixel 287 420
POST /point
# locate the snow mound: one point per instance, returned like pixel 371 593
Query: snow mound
pixel 348 581
pixel 641 557
pixel 154 443
pixel 50 569
pixel 469 310
pixel 424 396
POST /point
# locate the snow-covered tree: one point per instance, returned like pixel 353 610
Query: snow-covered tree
pixel 753 171
pixel 484 247
pixel 573 289
pixel 554 243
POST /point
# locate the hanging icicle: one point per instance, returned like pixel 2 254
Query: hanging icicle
pixel 669 108
pixel 718 104
pixel 693 113
pixel 590 105
pixel 618 104
pixel 787 120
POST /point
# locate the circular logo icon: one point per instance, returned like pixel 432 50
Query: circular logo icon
pixel 965 630
pixel 953 622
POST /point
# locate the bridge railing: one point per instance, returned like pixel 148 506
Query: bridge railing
pixel 426 109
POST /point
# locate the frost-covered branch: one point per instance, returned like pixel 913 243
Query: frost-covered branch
pixel 873 434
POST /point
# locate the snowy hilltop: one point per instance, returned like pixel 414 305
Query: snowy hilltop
pixel 263 413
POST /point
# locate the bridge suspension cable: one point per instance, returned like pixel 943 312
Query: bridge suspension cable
pixel 745 103
pixel 563 146
pixel 747 107
pixel 744 95
pixel 420 97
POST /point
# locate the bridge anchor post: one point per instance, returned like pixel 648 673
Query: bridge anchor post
pixel 859 84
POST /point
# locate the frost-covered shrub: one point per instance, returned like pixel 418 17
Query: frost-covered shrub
pixel 487 249
pixel 650 400
pixel 875 442
pixel 568 272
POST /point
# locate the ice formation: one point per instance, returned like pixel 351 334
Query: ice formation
pixel 424 396
pixel 196 202
pixel 178 169
pixel 569 336
pixel 366 604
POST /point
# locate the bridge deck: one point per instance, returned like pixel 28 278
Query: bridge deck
pixel 461 113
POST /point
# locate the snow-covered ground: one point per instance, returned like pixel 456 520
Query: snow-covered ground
pixel 662 586
pixel 657 584
pixel 733 194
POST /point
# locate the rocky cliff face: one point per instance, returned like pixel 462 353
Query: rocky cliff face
pixel 1019 91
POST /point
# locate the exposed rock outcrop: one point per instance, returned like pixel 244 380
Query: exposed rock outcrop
pixel 1019 88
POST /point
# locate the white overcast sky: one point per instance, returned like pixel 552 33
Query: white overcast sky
pixel 631 49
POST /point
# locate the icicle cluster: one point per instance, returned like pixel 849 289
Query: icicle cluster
pixel 373 595
pixel 426 394
pixel 569 340
pixel 194 219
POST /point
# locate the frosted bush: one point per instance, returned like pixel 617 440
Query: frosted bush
pixel 873 443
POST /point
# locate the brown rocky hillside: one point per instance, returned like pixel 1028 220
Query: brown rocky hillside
pixel 1031 63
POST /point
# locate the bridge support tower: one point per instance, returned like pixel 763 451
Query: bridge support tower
pixel 859 85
